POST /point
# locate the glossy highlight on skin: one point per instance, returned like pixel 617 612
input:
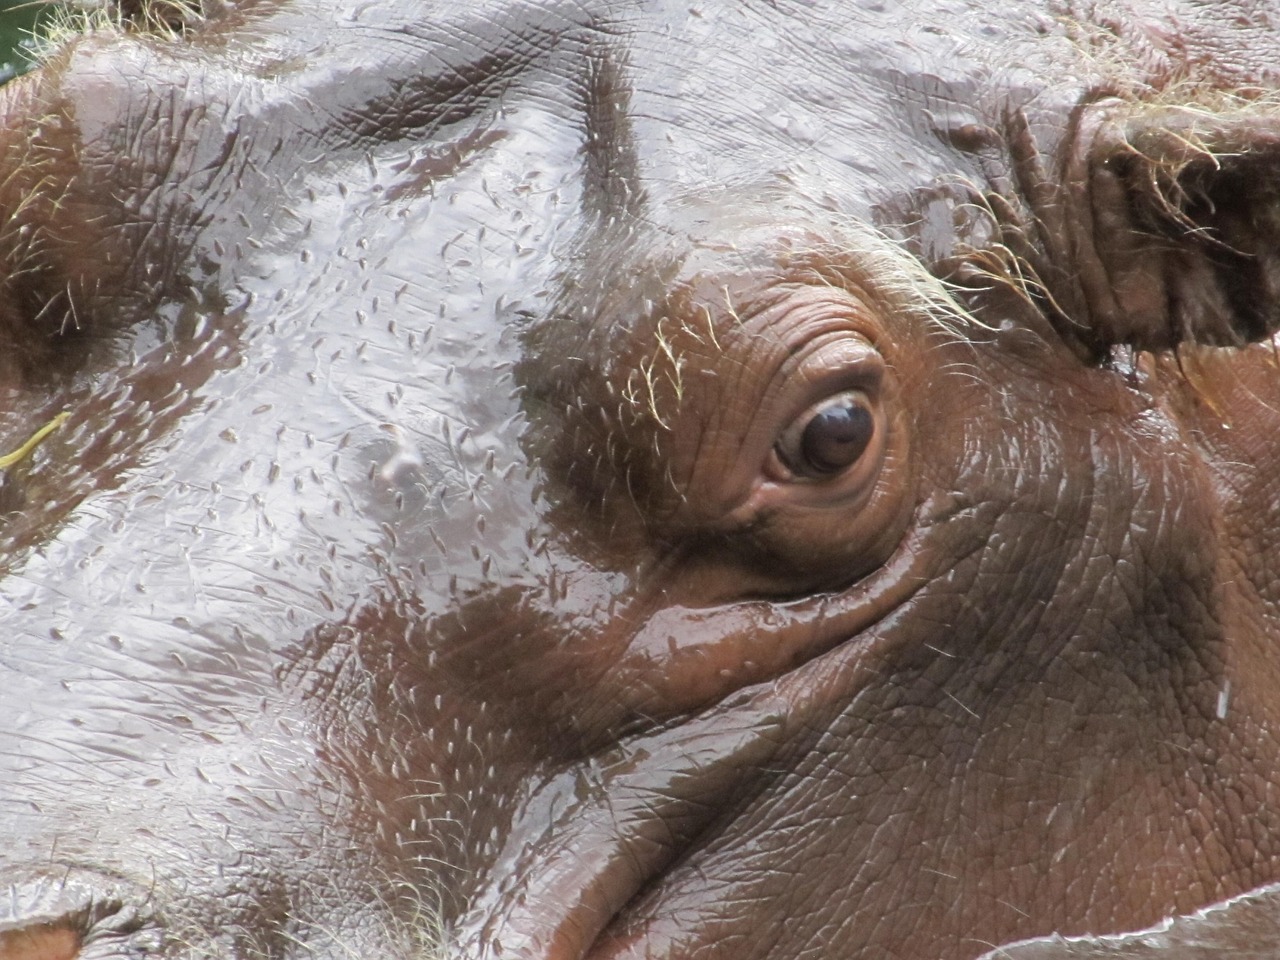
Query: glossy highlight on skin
pixel 613 480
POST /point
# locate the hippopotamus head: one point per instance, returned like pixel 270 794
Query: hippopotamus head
pixel 616 480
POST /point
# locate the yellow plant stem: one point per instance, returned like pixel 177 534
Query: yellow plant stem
pixel 9 459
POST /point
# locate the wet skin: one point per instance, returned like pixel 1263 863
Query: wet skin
pixel 528 490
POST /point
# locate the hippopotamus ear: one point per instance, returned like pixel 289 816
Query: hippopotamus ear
pixel 1175 223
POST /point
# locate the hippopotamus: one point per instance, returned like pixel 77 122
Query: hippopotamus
pixel 618 479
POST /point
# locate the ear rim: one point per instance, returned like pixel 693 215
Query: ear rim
pixel 1166 252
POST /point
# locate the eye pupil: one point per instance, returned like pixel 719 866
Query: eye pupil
pixel 836 436
pixel 828 438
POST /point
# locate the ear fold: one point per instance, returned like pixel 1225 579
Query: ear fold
pixel 1176 223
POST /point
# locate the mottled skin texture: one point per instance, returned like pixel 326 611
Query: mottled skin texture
pixel 423 566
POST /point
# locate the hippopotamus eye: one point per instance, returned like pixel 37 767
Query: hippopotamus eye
pixel 829 437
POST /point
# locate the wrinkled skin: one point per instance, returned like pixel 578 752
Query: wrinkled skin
pixel 437 558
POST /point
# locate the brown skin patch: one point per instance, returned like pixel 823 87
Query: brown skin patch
pixel 40 942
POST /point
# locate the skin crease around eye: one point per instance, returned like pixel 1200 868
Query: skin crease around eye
pixel 774 441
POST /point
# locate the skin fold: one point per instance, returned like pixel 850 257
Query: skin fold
pixel 711 481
